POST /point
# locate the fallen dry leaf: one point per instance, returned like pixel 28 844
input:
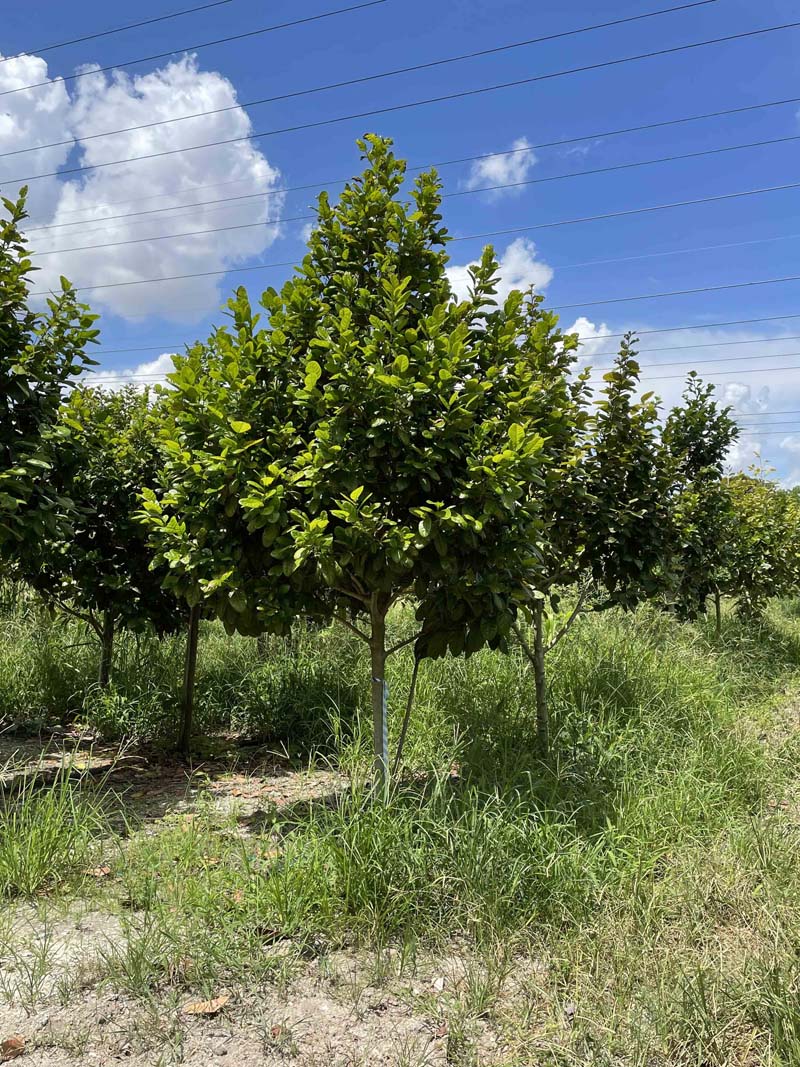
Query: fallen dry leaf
pixel 206 1007
pixel 98 872
pixel 12 1047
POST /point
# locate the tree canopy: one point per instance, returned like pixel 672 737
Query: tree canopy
pixel 41 353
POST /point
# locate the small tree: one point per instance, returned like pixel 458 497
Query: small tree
pixel 41 352
pixel 631 481
pixel 376 441
pixel 604 504
pixel 99 570
pixel 699 434
pixel 764 560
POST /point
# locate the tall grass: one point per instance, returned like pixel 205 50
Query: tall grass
pixel 48 835
pixel 629 901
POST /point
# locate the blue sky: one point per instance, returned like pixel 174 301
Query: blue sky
pixel 155 319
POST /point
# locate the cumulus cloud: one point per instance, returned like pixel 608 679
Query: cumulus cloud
pixel 35 117
pixel 81 207
pixel 758 379
pixel 593 339
pixel 519 269
pixel 144 375
pixel 502 169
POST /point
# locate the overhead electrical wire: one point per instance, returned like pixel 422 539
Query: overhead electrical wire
pixel 771 426
pixel 595 368
pixel 116 29
pixel 350 81
pixel 703 326
pixel 611 168
pixel 709 344
pixel 718 373
pixel 165 346
pixel 463 94
pixel 768 433
pixel 769 414
pixel 472 237
pixel 677 292
pixel 467 159
pixel 205 44
pixel 691 364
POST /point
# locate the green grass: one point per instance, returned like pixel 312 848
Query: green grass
pixel 630 901
pixel 48 836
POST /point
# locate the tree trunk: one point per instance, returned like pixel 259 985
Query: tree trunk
pixel 380 721
pixel 187 690
pixel 542 714
pixel 718 612
pixel 106 649
pixel 262 644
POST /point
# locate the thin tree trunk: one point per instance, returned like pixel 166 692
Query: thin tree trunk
pixel 542 713
pixel 187 690
pixel 262 644
pixel 106 649
pixel 380 722
pixel 718 612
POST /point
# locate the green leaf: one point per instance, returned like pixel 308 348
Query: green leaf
pixel 313 374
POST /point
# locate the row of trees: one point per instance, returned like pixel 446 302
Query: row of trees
pixel 366 438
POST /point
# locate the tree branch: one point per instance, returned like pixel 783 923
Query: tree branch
pixel 350 626
pixel 84 617
pixel 572 617
pixel 526 648
pixel 403 643
pixel 360 597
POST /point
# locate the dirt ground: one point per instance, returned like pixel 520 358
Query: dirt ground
pixel 333 1012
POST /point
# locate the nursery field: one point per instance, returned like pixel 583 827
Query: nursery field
pixel 630 900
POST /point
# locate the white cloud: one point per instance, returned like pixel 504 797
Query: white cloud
pixel 760 378
pixel 144 375
pixel 104 103
pixel 519 269
pixel 593 339
pixel 35 117
pixel 502 169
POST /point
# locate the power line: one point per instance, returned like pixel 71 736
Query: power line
pixel 174 236
pixel 769 427
pixel 168 346
pixel 718 373
pixel 628 211
pixel 677 292
pixel 702 362
pixel 205 44
pixel 595 369
pixel 470 159
pixel 234 200
pixel 767 433
pixel 362 79
pixel 171 346
pixel 710 344
pixel 117 29
pixel 759 414
pixel 490 233
pixel 464 94
pixel 703 326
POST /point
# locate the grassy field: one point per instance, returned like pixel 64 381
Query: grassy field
pixel 633 901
